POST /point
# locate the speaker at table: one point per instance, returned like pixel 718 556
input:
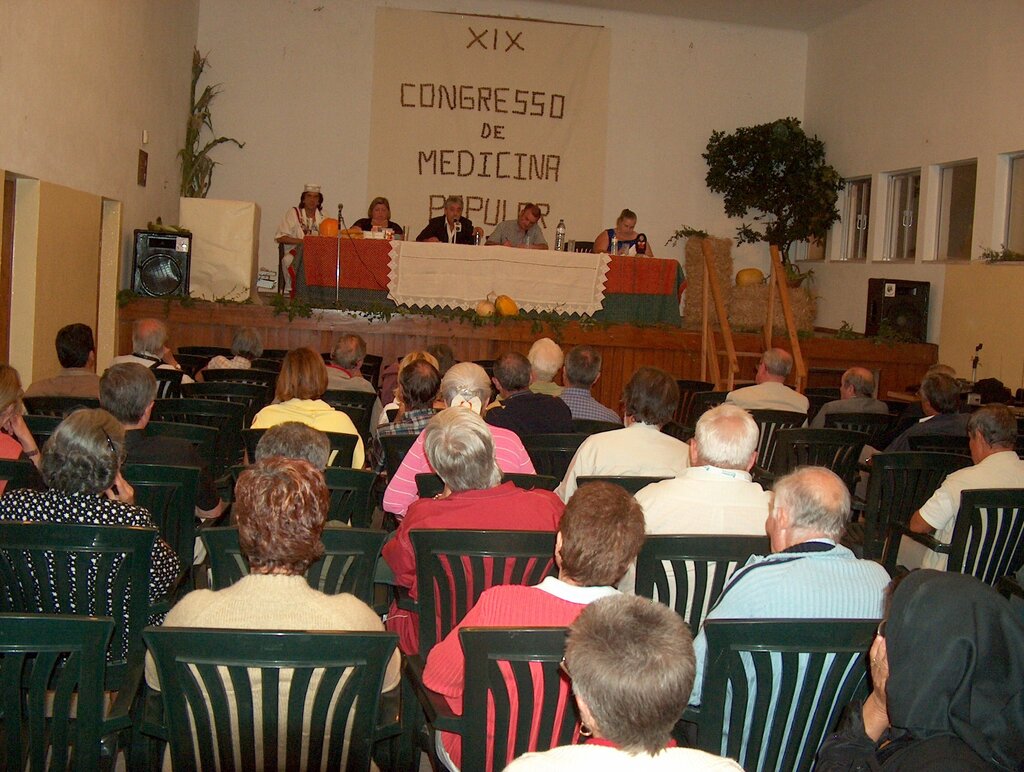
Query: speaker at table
pixel 161 263
pixel 901 306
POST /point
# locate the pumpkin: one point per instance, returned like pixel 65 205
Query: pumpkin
pixel 749 276
pixel 506 306
pixel 485 308
pixel 329 227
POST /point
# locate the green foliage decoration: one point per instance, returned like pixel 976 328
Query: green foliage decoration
pixel 196 164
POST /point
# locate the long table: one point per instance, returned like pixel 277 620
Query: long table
pixel 636 291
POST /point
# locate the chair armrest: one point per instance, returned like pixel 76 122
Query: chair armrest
pixel 404 600
pixel 120 714
pixel 435 707
pixel 927 540
pixel 763 477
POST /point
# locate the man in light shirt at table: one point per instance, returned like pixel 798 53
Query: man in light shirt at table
pixel 523 232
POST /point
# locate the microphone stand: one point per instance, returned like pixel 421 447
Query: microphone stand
pixel 337 265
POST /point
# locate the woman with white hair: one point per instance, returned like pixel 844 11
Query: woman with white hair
pixel 465 385
pixel 246 345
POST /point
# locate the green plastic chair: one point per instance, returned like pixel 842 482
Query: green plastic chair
pixel 217 718
pixel 834 449
pixel 169 493
pixel 878 426
pixel 351 494
pixel 591 426
pixel 203 438
pixel 551 453
pixel 357 405
pixel 988 537
pixel 395 447
pixel 168 382
pixel 206 351
pixel 774 688
pixel 677 430
pixel 19 473
pixel 514 674
pixel 703 401
pixel 265 378
pixel 227 417
pixel 343 446
pixel 350 556
pixel 253 396
pixel 428 484
pixel 688 390
pixel 42 426
pixel 454 567
pixel 629 483
pixel 57 406
pixel 688 573
pixel 769 422
pixel 51 703
pixel 941 443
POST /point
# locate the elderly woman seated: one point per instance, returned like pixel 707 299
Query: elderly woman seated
pixel 81 464
pixel 599 536
pixel 302 382
pixel 246 345
pixel 295 440
pixel 465 385
pixel 631 664
pixel 947 675
pixel 281 507
pixel 460 449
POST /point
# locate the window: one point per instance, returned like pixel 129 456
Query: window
pixel 1015 214
pixel 956 210
pixel 854 245
pixel 901 216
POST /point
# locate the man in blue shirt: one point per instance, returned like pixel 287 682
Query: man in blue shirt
pixel 582 369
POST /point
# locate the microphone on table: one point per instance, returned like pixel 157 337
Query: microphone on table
pixel 340 207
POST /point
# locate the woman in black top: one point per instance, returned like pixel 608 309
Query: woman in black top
pixel 378 215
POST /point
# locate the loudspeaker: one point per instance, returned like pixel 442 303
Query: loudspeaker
pixel 902 306
pixel 161 263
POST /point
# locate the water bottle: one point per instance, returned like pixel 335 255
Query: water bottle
pixel 614 246
pixel 560 236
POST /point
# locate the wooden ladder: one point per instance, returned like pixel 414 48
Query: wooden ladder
pixel 709 352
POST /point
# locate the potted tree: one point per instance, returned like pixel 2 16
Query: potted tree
pixel 776 171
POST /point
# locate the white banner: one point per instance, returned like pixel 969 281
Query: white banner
pixel 500 111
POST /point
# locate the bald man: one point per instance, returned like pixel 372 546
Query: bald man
pixel 856 395
pixel 770 391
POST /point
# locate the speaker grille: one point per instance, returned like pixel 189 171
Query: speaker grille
pixel 161 263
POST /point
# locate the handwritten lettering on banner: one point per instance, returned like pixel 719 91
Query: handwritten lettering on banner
pixel 499 111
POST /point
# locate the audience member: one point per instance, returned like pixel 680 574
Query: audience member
pixel 295 440
pixel 344 372
pixel 914 409
pixel 16 441
pixel 465 385
pixel 301 383
pixel 940 401
pixel 809 575
pixel 281 507
pixel 444 355
pixel 582 369
pixel 246 345
pixel 546 359
pixel 460 450
pixel 770 391
pixel 631 663
pixel 992 431
pixel 149 347
pixel 600 533
pixel 947 676
pixel 76 352
pixel 82 469
pixel 856 395
pixel 639 449
pixel 128 392
pixel 418 385
pixel 389 382
pixel 521 410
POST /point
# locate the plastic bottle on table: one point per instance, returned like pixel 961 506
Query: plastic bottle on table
pixel 560 236
pixel 613 246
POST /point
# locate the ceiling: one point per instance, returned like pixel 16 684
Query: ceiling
pixel 802 15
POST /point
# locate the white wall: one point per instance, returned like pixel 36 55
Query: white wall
pixel 901 84
pixel 297 79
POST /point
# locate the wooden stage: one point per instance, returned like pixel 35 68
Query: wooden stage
pixel 624 347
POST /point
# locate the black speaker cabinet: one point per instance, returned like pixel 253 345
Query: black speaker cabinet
pixel 902 306
pixel 161 263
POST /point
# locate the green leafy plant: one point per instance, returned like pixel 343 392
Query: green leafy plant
pixel 846 332
pixel 1002 255
pixel 777 171
pixel 686 232
pixel 292 307
pixel 196 164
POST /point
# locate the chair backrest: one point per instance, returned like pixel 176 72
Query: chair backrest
pixel 454 567
pixel 590 426
pixel 227 708
pixel 878 426
pixel 203 438
pixel 271 364
pixel 57 406
pixel 688 573
pixel 191 363
pixel 168 493
pixel 51 703
pixel 988 538
pixel 815 402
pixel 357 405
pixel 351 495
pixel 370 368
pixel 628 483
pixel 513 677
pixel 252 395
pixel 583 246
pixel 831 392
pixel 275 353
pixel 350 555
pixel 768 423
pixel 395 447
pixel 551 453
pixel 703 401
pixel 42 426
pixel 941 443
pixel 343 446
pixel 168 382
pixel 227 417
pixel 429 484
pixel 774 688
pixel 207 351
pixel 18 473
pixel 897 487
pixel 835 449
pixel 264 378
pixel 85 570
pixel 677 430
pixel 688 389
